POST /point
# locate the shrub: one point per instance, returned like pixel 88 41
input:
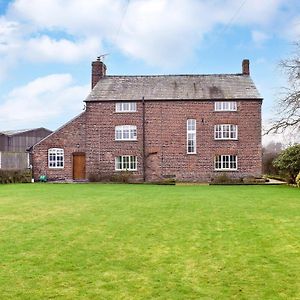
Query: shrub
pixel 165 181
pixel 121 177
pixel 288 162
pixel 253 180
pixel 94 177
pixel 225 179
pixel 15 176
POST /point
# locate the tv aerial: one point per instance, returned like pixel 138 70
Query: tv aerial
pixel 102 56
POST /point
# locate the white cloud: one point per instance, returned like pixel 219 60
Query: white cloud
pixel 292 30
pixel 77 17
pixel 160 32
pixel 42 100
pixel 259 37
pixel 46 49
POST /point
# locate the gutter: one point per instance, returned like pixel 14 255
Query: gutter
pixel 144 142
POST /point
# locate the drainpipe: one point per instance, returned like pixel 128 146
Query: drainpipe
pixel 144 142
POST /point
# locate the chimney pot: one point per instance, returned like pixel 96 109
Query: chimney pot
pixel 98 71
pixel 246 67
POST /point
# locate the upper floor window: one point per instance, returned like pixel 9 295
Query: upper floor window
pixel 191 136
pixel 126 107
pixel 126 163
pixel 226 132
pixel 225 106
pixel 125 133
pixel 226 162
pixel 56 158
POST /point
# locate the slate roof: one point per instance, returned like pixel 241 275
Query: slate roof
pixel 174 87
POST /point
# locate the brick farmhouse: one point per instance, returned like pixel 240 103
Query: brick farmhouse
pixel 191 127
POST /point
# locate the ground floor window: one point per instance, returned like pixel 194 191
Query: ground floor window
pixel 56 158
pixel 226 162
pixel 126 163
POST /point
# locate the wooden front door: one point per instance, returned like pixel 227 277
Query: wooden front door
pixel 78 166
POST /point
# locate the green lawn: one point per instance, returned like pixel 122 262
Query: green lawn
pixel 102 241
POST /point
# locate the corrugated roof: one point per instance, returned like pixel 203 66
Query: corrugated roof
pixel 174 87
pixel 14 132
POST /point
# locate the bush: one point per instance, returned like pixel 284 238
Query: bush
pixel 298 180
pixel 15 176
pixel 253 180
pixel 165 181
pixel 288 162
pixel 120 177
pixel 225 179
pixel 94 177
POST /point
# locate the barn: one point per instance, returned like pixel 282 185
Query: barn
pixel 14 146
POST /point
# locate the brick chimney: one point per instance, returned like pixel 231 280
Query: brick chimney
pixel 98 71
pixel 245 67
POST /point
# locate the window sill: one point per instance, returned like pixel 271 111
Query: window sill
pixel 126 170
pixel 226 139
pixel 225 170
pixel 217 111
pixel 126 140
pixel 56 168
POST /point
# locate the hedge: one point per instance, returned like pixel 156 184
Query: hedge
pixel 15 176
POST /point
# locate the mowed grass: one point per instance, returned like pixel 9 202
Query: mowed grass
pixel 101 241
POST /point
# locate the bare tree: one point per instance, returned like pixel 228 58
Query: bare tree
pixel 269 153
pixel 288 105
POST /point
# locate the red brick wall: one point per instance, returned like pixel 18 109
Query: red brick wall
pixel 100 140
pixel 166 132
pixel 70 137
pixel 165 140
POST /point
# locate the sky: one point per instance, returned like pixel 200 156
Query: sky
pixel 47 46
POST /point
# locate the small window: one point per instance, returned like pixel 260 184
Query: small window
pixel 226 132
pixel 126 163
pixel 56 158
pixel 225 106
pixel 125 133
pixel 191 136
pixel 226 163
pixel 126 107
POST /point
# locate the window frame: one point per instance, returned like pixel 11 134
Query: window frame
pixel 120 107
pixel 225 106
pixel 56 152
pixel 222 132
pixel 121 132
pixel 126 159
pixel 222 162
pixel 191 136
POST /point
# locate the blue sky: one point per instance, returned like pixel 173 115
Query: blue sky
pixel 46 48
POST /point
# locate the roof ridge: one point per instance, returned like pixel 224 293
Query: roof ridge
pixel 19 131
pixel 178 75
